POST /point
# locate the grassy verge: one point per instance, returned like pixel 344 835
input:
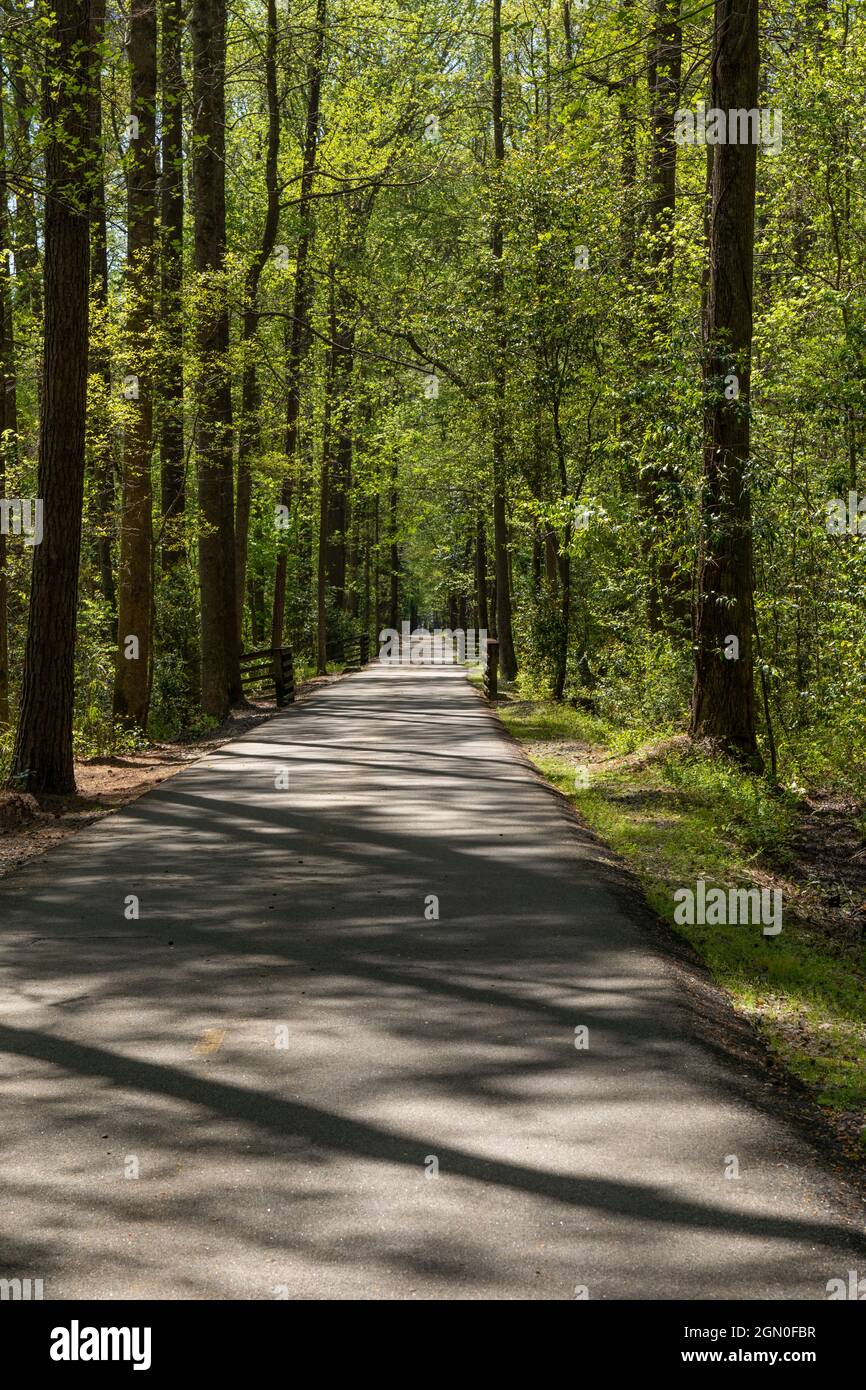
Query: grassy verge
pixel 675 814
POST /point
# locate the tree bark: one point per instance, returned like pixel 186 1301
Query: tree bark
pixel 8 408
pixel 507 657
pixel 563 559
pixel 665 597
pixel 42 756
pixel 297 334
pixel 99 425
pixel 220 649
pixel 324 490
pixel 341 465
pixel 340 476
pixel 249 433
pixel 394 551
pixel 723 702
pixel 481 575
pixel 135 580
pixel 172 459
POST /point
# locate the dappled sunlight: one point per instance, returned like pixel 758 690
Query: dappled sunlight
pixel 301 908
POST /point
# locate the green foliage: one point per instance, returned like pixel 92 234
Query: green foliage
pixel 602 366
pixel 676 814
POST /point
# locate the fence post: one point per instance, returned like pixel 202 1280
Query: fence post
pixel 365 648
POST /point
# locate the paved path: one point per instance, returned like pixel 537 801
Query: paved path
pixel 285 1046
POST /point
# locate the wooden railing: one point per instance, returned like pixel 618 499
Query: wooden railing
pixel 270 667
pixel 353 652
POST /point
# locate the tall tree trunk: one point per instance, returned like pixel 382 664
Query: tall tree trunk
pixel 481 574
pixel 8 407
pixel 220 649
pixel 99 422
pixel 297 334
pixel 665 598
pixel 377 564
pixel 723 702
pixel 249 434
pixel 507 658
pixel 42 756
pixel 324 490
pixel 368 544
pixel 135 579
pixel 394 567
pixel 340 476
pixel 563 559
pixel 341 467
pixel 172 459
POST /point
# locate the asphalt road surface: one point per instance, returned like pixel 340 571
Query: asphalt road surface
pixel 287 1077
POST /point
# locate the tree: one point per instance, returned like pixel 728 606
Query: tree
pixel 665 597
pixel 249 433
pixel 42 755
pixel 220 649
pixel 99 420
pixel 135 599
pixel 297 331
pixel 723 700
pixel 504 633
pixel 172 460
pixel 8 406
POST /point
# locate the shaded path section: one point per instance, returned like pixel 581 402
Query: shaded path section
pixel 284 1046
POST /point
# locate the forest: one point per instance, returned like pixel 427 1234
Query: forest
pixel 541 322
pixel 321 317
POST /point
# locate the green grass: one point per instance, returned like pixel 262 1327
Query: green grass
pixel 675 815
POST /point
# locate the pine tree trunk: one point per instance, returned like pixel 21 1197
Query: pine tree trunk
pixel 8 409
pixel 340 477
pixel 135 579
pixel 42 756
pixel 507 657
pixel 101 456
pixel 481 576
pixel 723 702
pixel 665 599
pixel 297 333
pixel 248 433
pixel 220 649
pixel 172 461
pixel 394 552
pixel 562 560
pixel 341 466
pixel 325 490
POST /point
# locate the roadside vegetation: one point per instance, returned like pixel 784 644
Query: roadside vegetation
pixel 676 812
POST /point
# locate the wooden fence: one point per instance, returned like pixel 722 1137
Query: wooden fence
pixel 270 668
